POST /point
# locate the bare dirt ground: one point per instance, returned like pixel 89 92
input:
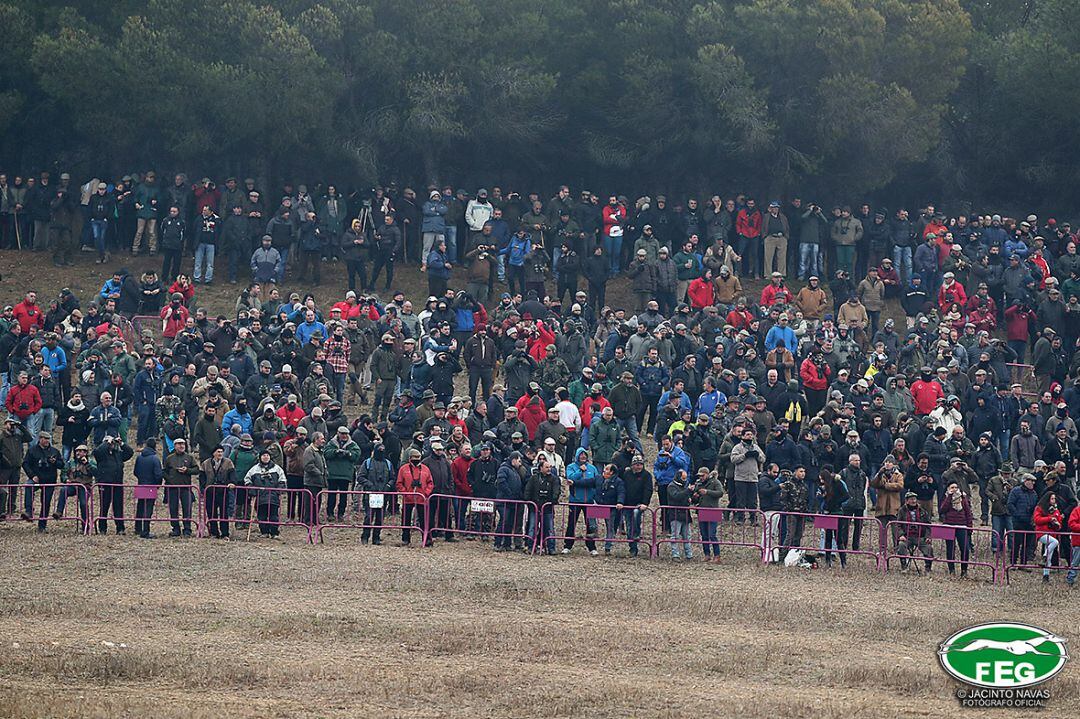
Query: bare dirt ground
pixel 200 628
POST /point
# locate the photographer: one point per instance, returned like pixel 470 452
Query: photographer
pixel 747 458
pixel 42 466
pixel 480 279
pixel 110 456
pixel 415 483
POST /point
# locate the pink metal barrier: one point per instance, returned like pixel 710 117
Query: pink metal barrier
pixel 1035 550
pixel 267 502
pixel 126 510
pixel 620 528
pixel 720 530
pixel 937 538
pixel 47 499
pixel 483 517
pixel 808 532
pixel 362 515
pixel 1024 375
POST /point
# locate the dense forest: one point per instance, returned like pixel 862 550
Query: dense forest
pixel 957 100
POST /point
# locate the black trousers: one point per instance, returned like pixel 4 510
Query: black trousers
pixel 111 497
pixel 217 501
pixel 179 500
pixel 335 502
pixel 268 515
pixel 144 510
pixel 481 376
pixel 313 259
pixel 170 266
pixel 406 519
pixel 356 268
pixel 379 264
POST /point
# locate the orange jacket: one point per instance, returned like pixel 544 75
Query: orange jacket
pixel 420 476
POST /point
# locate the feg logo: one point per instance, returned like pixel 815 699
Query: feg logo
pixel 1003 655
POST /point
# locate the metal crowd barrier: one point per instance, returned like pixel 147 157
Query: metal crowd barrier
pixel 936 537
pixel 361 511
pixel 749 530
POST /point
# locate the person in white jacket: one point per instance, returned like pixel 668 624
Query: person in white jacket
pixel 947 415
pixel 477 212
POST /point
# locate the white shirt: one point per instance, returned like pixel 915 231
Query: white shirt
pixel 569 416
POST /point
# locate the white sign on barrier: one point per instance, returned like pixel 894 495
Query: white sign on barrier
pixel 376 501
pixel 482 506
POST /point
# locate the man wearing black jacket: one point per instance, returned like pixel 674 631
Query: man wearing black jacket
pixel 173 232
pixel 110 456
pixel 480 356
pixel 42 466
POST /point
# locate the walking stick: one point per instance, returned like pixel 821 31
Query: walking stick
pixel 250 523
pixel 18 235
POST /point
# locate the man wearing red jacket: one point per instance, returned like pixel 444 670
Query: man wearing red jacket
pixel 23 399
pixel 926 391
pixel 1018 319
pixel 748 226
pixel 28 314
pixel 614 219
pixel 173 317
pixel 1074 562
pixel 814 372
pixel 414 478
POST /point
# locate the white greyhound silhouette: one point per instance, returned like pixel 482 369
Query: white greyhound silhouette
pixel 1017 646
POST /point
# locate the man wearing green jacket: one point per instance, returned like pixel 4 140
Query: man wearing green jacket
pixel 687 269
pixel 604 436
pixel 243 458
pixel 342 455
pixel 148 202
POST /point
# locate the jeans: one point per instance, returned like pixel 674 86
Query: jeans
pixel 680 536
pixel 809 260
pixel 1048 544
pixel 147 424
pixel 5 386
pixel 611 527
pixel 46 501
pixel 81 495
pixel 902 262
pixel 282 261
pixel 547 530
pixel 1000 523
pixel 99 228
pixel 41 421
pixel 204 253
pixel 613 247
pixel 451 243
pixel 708 538
pixel 629 425
pixel 1074 563
pixel 633 528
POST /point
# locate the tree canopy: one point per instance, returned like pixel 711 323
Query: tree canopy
pixel 841 97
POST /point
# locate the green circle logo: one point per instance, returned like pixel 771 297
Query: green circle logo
pixel 1003 655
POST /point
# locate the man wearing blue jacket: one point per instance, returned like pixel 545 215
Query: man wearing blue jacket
pixel 582 478
pixel 669 461
pixel 509 490
pixel 611 492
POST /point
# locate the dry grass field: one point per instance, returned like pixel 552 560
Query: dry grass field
pixel 117 627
